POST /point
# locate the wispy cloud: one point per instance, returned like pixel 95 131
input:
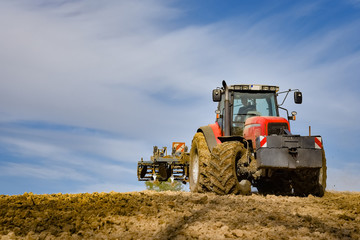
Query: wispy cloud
pixel 65 156
pixel 60 145
pixel 355 3
pixel 49 172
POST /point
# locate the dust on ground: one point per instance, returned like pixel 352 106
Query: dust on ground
pixel 179 215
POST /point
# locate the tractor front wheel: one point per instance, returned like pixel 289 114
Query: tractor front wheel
pixel 223 168
pixel 199 160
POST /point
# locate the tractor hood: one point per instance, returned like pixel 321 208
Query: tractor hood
pixel 264 126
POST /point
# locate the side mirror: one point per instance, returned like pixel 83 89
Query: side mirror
pixel 216 95
pixel 298 97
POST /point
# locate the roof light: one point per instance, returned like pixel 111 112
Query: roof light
pixel 255 87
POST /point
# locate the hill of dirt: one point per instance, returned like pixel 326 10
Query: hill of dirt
pixel 179 215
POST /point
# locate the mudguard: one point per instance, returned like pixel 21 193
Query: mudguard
pixel 209 135
pixel 289 151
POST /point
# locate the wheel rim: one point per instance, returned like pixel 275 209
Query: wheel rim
pixel 321 176
pixel 195 168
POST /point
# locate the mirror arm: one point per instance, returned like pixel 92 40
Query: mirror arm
pixel 287 93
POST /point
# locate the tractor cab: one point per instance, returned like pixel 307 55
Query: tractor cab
pixel 250 111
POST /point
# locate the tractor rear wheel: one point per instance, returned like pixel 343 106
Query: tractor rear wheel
pixel 199 160
pixel 305 182
pixel 223 167
pixel 322 176
pixel 274 185
pixel 310 181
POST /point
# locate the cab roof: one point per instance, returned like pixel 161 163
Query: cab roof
pixel 254 87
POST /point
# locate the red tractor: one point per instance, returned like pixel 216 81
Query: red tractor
pixel 251 145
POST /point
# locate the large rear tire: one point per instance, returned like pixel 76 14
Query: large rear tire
pixel 311 181
pixel 322 176
pixel 274 185
pixel 305 182
pixel 199 160
pixel 223 166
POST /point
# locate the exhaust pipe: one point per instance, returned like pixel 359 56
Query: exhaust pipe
pixel 227 114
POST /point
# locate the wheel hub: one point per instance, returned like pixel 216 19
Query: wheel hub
pixel 195 168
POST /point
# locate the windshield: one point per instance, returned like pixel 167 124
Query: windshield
pixel 250 104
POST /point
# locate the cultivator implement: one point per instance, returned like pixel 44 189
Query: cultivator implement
pixel 163 167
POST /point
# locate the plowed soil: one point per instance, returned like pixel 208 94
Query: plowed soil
pixel 179 215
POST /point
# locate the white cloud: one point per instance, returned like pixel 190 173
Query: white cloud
pixel 31 148
pixel 65 146
pixel 356 3
pixel 42 172
pixel 68 156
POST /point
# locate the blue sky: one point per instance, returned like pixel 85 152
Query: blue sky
pixel 88 87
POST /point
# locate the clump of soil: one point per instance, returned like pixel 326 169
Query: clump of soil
pixel 179 215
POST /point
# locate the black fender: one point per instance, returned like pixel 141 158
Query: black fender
pixel 209 136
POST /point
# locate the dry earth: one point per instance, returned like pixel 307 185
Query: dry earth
pixel 179 215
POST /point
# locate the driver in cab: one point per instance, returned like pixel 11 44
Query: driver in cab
pixel 246 107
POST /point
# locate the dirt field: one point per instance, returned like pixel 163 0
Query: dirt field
pixel 179 215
